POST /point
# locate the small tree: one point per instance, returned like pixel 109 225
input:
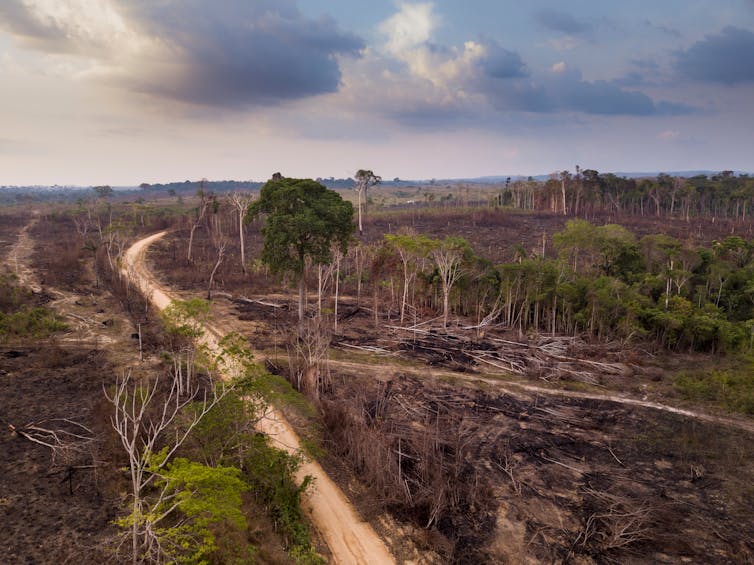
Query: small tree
pixel 448 256
pixel 303 221
pixel 412 249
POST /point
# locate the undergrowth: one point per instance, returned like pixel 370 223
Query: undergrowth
pixel 19 318
pixel 731 388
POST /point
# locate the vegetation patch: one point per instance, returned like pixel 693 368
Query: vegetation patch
pixel 19 318
pixel 731 388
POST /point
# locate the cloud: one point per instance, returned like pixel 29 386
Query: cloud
pixel 235 53
pixel 500 63
pixel 565 90
pixel 409 28
pixel 419 83
pixel 66 26
pixel 562 22
pixel 727 58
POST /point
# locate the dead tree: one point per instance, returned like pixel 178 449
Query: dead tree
pixel 201 211
pixel 220 247
pixel 240 202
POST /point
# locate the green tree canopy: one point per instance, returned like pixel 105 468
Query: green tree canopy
pixel 304 220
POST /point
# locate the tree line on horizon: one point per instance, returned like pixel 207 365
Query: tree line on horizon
pixel 587 192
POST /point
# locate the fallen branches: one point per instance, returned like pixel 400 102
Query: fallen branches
pixel 67 439
pixel 550 358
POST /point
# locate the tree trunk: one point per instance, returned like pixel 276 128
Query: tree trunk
pixel 337 281
pixel 240 237
pixel 301 298
pixel 445 300
pixel 361 229
pixel 220 256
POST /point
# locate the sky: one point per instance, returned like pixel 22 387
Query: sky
pixel 122 92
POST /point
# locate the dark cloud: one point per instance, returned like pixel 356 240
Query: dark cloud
pixel 501 64
pixel 563 22
pixel 567 91
pixel 238 53
pixel 16 18
pixel 727 58
pixel 233 53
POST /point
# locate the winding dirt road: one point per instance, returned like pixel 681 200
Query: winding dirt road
pixel 349 538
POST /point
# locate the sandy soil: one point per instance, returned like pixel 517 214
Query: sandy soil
pixel 349 538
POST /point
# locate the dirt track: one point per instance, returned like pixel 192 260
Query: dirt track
pixel 349 538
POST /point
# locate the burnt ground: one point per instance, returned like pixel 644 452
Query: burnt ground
pixel 58 506
pixel 480 474
pixel 503 478
pixel 55 507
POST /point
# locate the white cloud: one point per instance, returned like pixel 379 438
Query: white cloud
pixel 79 26
pixel 559 67
pixel 408 35
pixel 409 28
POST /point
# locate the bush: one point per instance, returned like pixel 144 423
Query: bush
pixel 31 322
pixel 730 388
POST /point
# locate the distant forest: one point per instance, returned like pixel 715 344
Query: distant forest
pixel 583 193
pixel 725 195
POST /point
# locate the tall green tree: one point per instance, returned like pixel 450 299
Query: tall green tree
pixel 304 220
pixel 364 180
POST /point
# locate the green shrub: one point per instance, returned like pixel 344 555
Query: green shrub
pixel 31 322
pixel 730 388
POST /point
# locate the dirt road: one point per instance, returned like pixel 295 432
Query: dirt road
pixel 19 257
pixel 349 538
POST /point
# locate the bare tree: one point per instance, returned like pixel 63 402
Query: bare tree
pixel 201 211
pixel 364 180
pixel 448 256
pixel 142 417
pixel 309 355
pixel 565 178
pixel 220 247
pixel 241 201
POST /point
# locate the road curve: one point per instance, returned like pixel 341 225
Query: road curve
pixel 350 539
